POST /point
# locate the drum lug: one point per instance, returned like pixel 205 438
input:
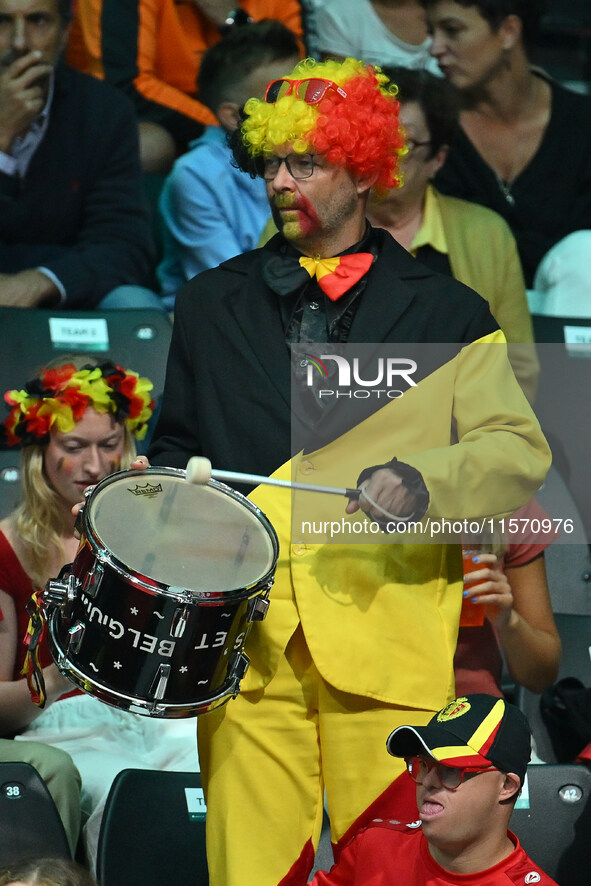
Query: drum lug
pixel 158 687
pixel 93 579
pixel 179 621
pixel 62 592
pixel 257 608
pixel 237 669
pixel 75 637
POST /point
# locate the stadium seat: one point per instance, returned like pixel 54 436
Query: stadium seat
pixel 575 633
pixel 548 328
pixel 30 825
pixel 10 481
pixel 552 819
pixel 324 858
pixel 153 830
pixel 560 405
pixel 137 338
pixel 568 563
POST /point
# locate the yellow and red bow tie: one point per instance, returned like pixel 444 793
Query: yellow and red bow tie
pixel 337 275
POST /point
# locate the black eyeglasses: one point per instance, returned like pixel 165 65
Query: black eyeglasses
pixel 412 145
pixel 450 777
pixel 299 166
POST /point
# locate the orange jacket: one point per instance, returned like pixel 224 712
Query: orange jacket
pixel 152 49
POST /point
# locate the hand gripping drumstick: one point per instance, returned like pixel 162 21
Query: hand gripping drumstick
pixel 199 471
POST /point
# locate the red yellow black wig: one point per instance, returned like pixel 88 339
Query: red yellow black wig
pixel 360 132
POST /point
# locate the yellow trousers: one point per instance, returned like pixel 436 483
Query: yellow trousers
pixel 266 758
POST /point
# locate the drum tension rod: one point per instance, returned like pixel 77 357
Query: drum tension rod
pixel 158 687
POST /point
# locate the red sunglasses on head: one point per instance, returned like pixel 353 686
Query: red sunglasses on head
pixel 311 90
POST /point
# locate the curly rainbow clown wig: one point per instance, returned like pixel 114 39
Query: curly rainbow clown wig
pixel 59 397
pixel 360 132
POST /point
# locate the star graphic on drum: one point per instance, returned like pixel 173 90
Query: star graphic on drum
pixel 117 664
pixel 134 610
pixel 183 670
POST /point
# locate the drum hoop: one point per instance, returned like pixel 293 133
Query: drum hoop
pixel 156 587
pixel 154 708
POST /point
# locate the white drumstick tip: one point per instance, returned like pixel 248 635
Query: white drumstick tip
pixel 198 470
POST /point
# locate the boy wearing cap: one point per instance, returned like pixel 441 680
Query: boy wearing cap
pixel 469 763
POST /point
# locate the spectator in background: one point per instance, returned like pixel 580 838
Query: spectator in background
pixel 508 588
pixel 76 422
pixel 45 872
pixel 469 765
pixel 518 150
pixel 451 236
pixel 309 14
pixel 152 50
pixel 382 32
pixel 211 210
pixel 73 226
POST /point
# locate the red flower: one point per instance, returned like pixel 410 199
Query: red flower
pixel 55 379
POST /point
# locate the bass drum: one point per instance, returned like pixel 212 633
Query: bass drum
pixel 153 613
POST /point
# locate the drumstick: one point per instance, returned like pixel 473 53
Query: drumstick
pixel 199 471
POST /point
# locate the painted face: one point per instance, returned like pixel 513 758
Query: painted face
pixel 468 51
pixel 460 817
pixel 84 456
pixel 27 25
pixel 321 214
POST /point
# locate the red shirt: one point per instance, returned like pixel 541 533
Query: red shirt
pixel 15 582
pixel 387 853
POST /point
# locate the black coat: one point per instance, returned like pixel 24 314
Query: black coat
pixel 228 386
pixel 80 211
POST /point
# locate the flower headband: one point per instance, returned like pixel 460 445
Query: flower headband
pixel 60 396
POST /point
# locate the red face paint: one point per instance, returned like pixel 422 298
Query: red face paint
pixel 83 456
pixel 295 216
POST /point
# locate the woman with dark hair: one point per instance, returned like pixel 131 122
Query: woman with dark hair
pixel 524 143
pixel 451 236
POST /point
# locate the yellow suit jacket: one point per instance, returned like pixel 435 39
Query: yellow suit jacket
pixel 380 614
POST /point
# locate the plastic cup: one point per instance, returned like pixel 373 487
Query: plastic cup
pixel 472 614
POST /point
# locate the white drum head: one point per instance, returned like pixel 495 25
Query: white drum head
pixel 200 538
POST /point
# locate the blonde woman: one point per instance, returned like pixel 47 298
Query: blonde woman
pixel 77 423
pixel 45 872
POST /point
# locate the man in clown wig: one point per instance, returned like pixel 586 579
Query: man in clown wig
pixel 359 636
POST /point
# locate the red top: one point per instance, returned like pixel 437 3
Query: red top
pixel 388 852
pixel 15 582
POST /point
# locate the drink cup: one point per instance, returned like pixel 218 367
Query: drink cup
pixel 472 614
